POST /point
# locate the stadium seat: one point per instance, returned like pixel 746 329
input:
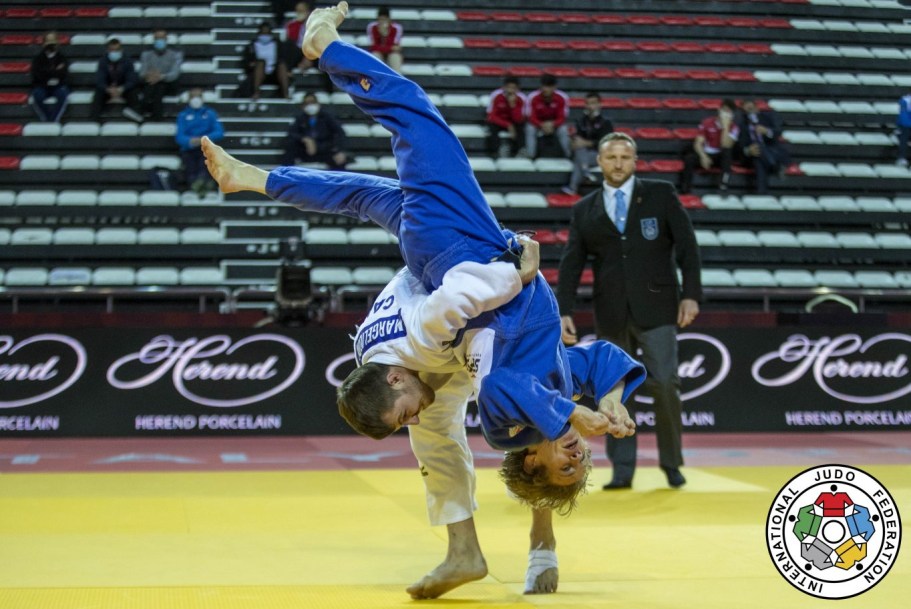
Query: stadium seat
pixel 717 278
pixel 74 236
pixel 158 236
pixel 327 275
pixel 754 278
pixel 835 279
pixel 36 197
pixel 201 276
pixel 790 278
pixel 26 277
pixel 326 235
pixel 368 275
pixel 111 276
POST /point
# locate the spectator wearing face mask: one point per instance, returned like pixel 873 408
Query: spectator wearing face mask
pixel 265 63
pixel 713 147
pixel 116 82
pixel 590 128
pixel 194 122
pixel 159 71
pixel 50 70
pixel 315 137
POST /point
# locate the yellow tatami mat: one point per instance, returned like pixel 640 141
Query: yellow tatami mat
pixel 357 538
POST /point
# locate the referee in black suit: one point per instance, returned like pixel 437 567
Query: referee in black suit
pixel 636 233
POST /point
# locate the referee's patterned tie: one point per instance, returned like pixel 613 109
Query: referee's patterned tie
pixel 620 211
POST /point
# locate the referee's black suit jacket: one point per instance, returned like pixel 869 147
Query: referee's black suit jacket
pixel 635 279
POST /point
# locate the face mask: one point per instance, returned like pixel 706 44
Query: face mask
pixel 301 16
pixel 265 38
pixel 160 44
pixel 311 109
pixel 114 56
pixel 195 103
pixel 50 49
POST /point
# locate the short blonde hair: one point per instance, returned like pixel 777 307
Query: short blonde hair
pixel 616 136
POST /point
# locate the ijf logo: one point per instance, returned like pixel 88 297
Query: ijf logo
pixel 833 531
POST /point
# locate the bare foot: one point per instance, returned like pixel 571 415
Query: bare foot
pixel 451 573
pixel 322 29
pixel 232 175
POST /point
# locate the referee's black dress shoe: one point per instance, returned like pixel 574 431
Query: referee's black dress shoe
pixel 617 484
pixel 674 478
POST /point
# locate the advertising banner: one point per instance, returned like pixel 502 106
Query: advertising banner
pixel 146 382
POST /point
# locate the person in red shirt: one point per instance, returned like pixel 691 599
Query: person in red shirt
pixel 294 33
pixel 547 111
pixel 713 147
pixel 505 119
pixel 386 39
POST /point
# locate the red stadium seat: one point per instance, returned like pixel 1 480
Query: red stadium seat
pixel 688 47
pixel 59 12
pixel 793 170
pixel 514 43
pixel 13 98
pixel 686 133
pixel 643 20
pixel 587 277
pixel 562 235
pixel 738 75
pixel 21 13
pixel 703 75
pixel 562 72
pixel 14 67
pixel 667 165
pixel 626 130
pixel 506 16
pixel 609 19
pixel 756 48
pixel 559 199
pixel 722 47
pixel 668 74
pixel 488 71
pixel 545 237
pixel 743 22
pixel 541 18
pixel 525 71
pixel 692 202
pixel 709 21
pixel 612 103
pixel 585 45
pixel 763 104
pixel 781 24
pixel 619 46
pixel 480 43
pixel 642 166
pixel 550 45
pixel 632 73
pixel 676 20
pixel 551 275
pixel 472 16
pixel 596 72
pixel 9 162
pixel 741 170
pixel 653 46
pixel 711 103
pixel 92 12
pixel 10 129
pixel 575 18
pixel 644 103
pixel 654 133
pixel 19 39
pixel 680 103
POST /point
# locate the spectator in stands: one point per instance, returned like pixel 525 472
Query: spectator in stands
pixel 159 70
pixel 903 122
pixel 590 128
pixel 194 122
pixel 713 147
pixel 116 82
pixel 386 39
pixel 547 111
pixel 50 70
pixel 506 119
pixel 315 136
pixel 265 63
pixel 294 34
pixel 760 143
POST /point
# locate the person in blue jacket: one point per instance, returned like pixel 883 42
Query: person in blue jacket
pixel 438 212
pixel 194 122
pixel 903 124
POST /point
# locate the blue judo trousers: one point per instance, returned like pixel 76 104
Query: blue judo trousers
pixel 438 212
